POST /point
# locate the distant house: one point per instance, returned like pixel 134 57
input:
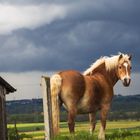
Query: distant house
pixel 5 88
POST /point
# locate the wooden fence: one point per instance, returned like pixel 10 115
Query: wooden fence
pixel 47 106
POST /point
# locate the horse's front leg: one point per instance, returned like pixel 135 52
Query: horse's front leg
pixel 71 119
pixel 103 116
pixel 92 119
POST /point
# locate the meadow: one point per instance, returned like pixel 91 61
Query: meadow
pixel 116 130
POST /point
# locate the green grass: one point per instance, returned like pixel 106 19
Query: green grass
pixel 116 130
pixel 28 127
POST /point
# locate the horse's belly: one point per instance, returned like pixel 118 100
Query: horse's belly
pixel 86 106
pixel 83 110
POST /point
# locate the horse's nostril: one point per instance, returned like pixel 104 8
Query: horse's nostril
pixel 128 81
pixel 125 80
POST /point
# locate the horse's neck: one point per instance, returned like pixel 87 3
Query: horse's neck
pixel 111 75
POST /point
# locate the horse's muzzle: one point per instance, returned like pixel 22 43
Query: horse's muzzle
pixel 126 82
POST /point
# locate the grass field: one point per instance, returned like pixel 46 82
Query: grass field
pixel 116 130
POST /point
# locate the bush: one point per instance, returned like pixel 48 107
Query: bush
pixel 13 135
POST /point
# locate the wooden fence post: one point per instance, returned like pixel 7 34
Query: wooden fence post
pixel 47 107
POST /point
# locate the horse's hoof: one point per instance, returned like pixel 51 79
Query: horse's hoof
pixel 101 137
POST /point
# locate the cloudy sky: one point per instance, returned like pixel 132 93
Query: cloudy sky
pixel 41 37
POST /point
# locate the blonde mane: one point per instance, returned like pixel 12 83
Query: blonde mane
pixel 94 65
pixel 110 63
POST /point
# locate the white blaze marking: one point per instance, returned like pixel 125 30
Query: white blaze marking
pixel 126 65
pixel 127 76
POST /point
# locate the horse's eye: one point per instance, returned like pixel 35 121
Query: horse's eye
pixel 120 67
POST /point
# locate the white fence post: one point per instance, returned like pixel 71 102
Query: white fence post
pixel 47 107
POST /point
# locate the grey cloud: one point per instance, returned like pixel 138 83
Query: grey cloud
pixel 74 48
pixel 35 2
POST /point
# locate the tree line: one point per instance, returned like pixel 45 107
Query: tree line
pixel 123 107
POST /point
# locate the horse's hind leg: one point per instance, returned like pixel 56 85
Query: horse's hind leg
pixel 71 119
pixel 92 119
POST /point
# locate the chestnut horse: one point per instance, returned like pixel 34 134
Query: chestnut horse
pixel 90 91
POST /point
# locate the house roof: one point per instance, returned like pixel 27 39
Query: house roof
pixel 8 87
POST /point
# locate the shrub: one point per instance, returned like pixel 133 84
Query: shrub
pixel 13 135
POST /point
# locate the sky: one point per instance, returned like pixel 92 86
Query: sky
pixel 42 37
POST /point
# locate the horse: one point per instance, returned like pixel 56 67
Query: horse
pixel 90 91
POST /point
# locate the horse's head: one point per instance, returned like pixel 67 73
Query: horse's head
pixel 124 69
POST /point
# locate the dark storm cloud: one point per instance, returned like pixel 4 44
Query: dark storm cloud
pixel 88 30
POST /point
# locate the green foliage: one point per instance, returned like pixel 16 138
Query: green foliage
pixel 120 130
pixel 25 118
pixel 13 135
pixel 27 106
pixel 78 136
pixel 122 134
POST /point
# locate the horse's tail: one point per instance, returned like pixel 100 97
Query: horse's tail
pixel 55 82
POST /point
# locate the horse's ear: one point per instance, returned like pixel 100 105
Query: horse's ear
pixel 121 56
pixel 130 56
